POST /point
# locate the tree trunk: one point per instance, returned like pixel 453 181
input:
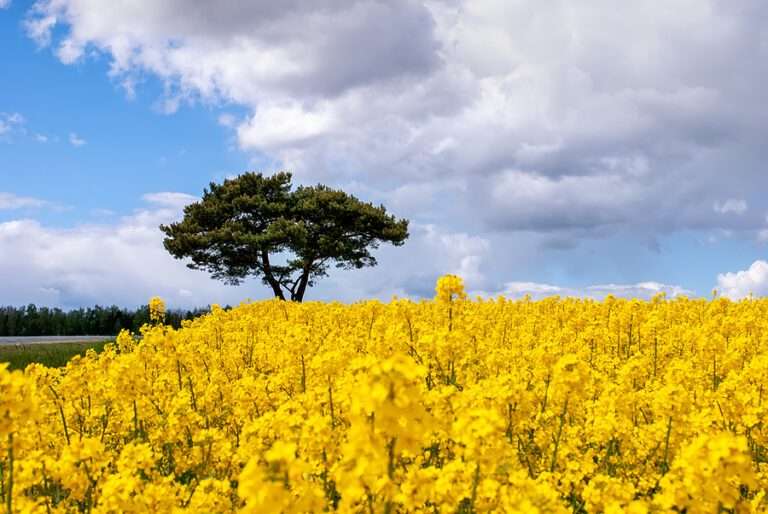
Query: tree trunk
pixel 274 284
pixel 299 296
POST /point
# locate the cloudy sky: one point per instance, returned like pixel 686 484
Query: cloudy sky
pixel 544 147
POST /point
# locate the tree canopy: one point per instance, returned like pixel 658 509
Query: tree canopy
pixel 257 225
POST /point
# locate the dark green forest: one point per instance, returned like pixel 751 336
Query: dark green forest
pixel 44 321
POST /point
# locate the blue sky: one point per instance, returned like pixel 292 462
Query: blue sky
pixel 130 148
pixel 611 152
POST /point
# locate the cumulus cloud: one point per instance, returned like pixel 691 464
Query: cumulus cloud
pixel 76 140
pixel 412 270
pixel 169 199
pixel 640 290
pixel 523 200
pixel 583 119
pixel 730 205
pixel 462 252
pixel 10 122
pixel 5 3
pixel 580 122
pixel 227 120
pixel 235 51
pixel 740 284
pixel 10 201
pixel 122 262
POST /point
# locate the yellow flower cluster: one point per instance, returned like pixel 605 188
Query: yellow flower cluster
pixel 156 309
pixel 450 287
pixel 453 405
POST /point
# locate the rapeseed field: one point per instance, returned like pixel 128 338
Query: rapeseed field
pixel 441 406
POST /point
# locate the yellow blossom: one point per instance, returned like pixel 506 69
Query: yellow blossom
pixel 444 405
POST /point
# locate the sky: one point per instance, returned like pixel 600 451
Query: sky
pixel 536 146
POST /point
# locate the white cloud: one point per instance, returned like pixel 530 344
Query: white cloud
pixel 277 126
pixel 731 205
pixel 15 118
pixel 69 51
pixel 520 199
pixel 41 138
pixel 5 3
pixel 520 289
pixel 238 51
pixel 120 262
pixel 10 122
pixel 740 284
pixel 641 290
pixel 102 213
pixel 412 270
pixel 588 116
pixel 40 26
pixel 76 140
pixel 123 261
pixel 584 122
pixel 227 120
pixel 169 199
pixel 10 201
pixel 464 252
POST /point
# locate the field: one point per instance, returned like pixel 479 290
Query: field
pixel 52 354
pixel 450 405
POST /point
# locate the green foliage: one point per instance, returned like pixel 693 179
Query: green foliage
pixel 255 225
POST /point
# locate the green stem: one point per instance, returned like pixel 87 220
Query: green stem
pixel 135 418
pixel 546 395
pixel 9 498
pixel 388 506
pixel 330 402
pixel 559 435
pixel 303 375
pixel 475 483
pixel 178 374
pixel 61 412
pixel 391 458
pixel 665 465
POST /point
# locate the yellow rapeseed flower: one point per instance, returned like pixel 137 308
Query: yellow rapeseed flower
pixel 449 405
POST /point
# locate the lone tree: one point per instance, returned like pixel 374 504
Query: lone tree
pixel 255 225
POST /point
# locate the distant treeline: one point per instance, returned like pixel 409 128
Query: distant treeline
pixel 107 321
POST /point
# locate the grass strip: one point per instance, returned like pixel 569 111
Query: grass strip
pixel 53 355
